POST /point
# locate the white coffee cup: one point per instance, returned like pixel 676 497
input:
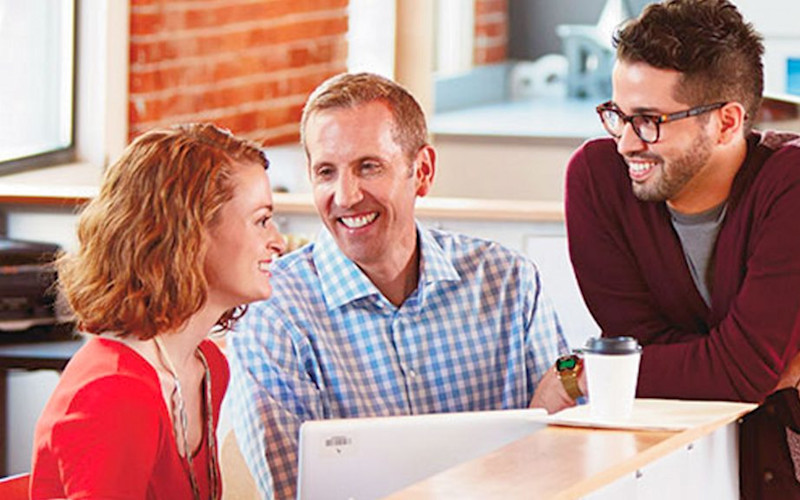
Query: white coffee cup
pixel 612 370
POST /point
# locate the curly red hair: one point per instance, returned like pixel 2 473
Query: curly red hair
pixel 139 267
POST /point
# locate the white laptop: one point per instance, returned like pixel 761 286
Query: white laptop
pixel 367 458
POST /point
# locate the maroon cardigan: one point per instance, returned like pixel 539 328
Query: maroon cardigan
pixel 633 275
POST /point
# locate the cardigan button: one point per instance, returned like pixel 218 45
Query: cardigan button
pixel 771 410
pixel 768 476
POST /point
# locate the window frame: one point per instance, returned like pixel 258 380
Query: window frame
pixel 64 154
pixel 100 130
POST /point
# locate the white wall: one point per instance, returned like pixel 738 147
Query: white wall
pixel 777 21
pixel 501 167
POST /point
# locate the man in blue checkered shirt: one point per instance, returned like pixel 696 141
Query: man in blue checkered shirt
pixel 382 316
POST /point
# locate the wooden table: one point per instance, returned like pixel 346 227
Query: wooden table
pixel 31 351
pixel 571 462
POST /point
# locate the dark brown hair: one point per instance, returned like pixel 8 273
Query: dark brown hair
pixel 139 267
pixel 709 42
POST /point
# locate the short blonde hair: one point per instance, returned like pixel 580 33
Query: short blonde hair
pixel 348 90
pixel 139 267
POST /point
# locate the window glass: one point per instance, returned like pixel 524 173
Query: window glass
pixel 36 91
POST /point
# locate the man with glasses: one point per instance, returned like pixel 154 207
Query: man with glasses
pixel 683 227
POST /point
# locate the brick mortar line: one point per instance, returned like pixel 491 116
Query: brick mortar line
pixel 484 42
pixel 194 4
pixel 242 27
pixel 226 56
pixel 236 82
pixel 494 17
pixel 216 113
pixel 279 130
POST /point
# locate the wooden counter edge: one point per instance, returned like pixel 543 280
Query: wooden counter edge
pixel 672 442
pixel 651 454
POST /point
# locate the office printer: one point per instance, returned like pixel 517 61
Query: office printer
pixel 27 278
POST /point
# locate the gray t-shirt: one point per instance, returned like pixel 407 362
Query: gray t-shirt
pixel 698 235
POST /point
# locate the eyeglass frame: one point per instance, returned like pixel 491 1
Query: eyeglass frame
pixel 657 120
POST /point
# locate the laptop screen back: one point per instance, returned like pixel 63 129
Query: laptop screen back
pixel 366 458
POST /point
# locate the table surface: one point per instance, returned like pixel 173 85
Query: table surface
pixel 562 462
pixel 38 355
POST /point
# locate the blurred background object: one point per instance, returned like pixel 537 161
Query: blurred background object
pixel 590 53
pixel 295 241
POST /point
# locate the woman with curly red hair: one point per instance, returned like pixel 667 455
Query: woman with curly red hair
pixel 179 238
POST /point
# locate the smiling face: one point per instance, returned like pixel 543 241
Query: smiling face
pixel 677 166
pixel 242 241
pixel 364 185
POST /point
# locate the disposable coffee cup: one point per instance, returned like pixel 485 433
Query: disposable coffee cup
pixel 612 369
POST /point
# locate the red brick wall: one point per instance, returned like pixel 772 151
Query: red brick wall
pixel 491 31
pixel 247 65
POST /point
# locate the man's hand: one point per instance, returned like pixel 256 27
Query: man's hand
pixel 551 395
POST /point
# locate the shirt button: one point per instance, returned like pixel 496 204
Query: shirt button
pixel 412 373
pixel 768 476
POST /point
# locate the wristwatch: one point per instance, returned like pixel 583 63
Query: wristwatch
pixel 568 368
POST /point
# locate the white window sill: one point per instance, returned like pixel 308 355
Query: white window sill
pixel 71 183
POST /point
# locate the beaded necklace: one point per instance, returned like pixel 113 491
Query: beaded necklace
pixel 181 420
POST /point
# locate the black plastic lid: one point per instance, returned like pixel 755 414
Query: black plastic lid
pixel 612 345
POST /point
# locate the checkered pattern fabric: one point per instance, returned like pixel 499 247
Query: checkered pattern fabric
pixel 477 334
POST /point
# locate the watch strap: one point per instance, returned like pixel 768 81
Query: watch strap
pixel 569 376
pixel 570 383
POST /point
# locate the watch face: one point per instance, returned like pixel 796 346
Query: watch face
pixel 565 363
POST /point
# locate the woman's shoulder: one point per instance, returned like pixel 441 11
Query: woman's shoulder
pixel 104 381
pixel 104 358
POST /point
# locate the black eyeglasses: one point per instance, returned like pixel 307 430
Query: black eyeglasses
pixel 647 127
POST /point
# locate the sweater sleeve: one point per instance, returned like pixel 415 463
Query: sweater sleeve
pixel 106 444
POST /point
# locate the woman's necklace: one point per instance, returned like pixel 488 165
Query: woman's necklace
pixel 180 421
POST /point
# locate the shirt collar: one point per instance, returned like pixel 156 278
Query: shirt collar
pixel 343 282
pixel 435 264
